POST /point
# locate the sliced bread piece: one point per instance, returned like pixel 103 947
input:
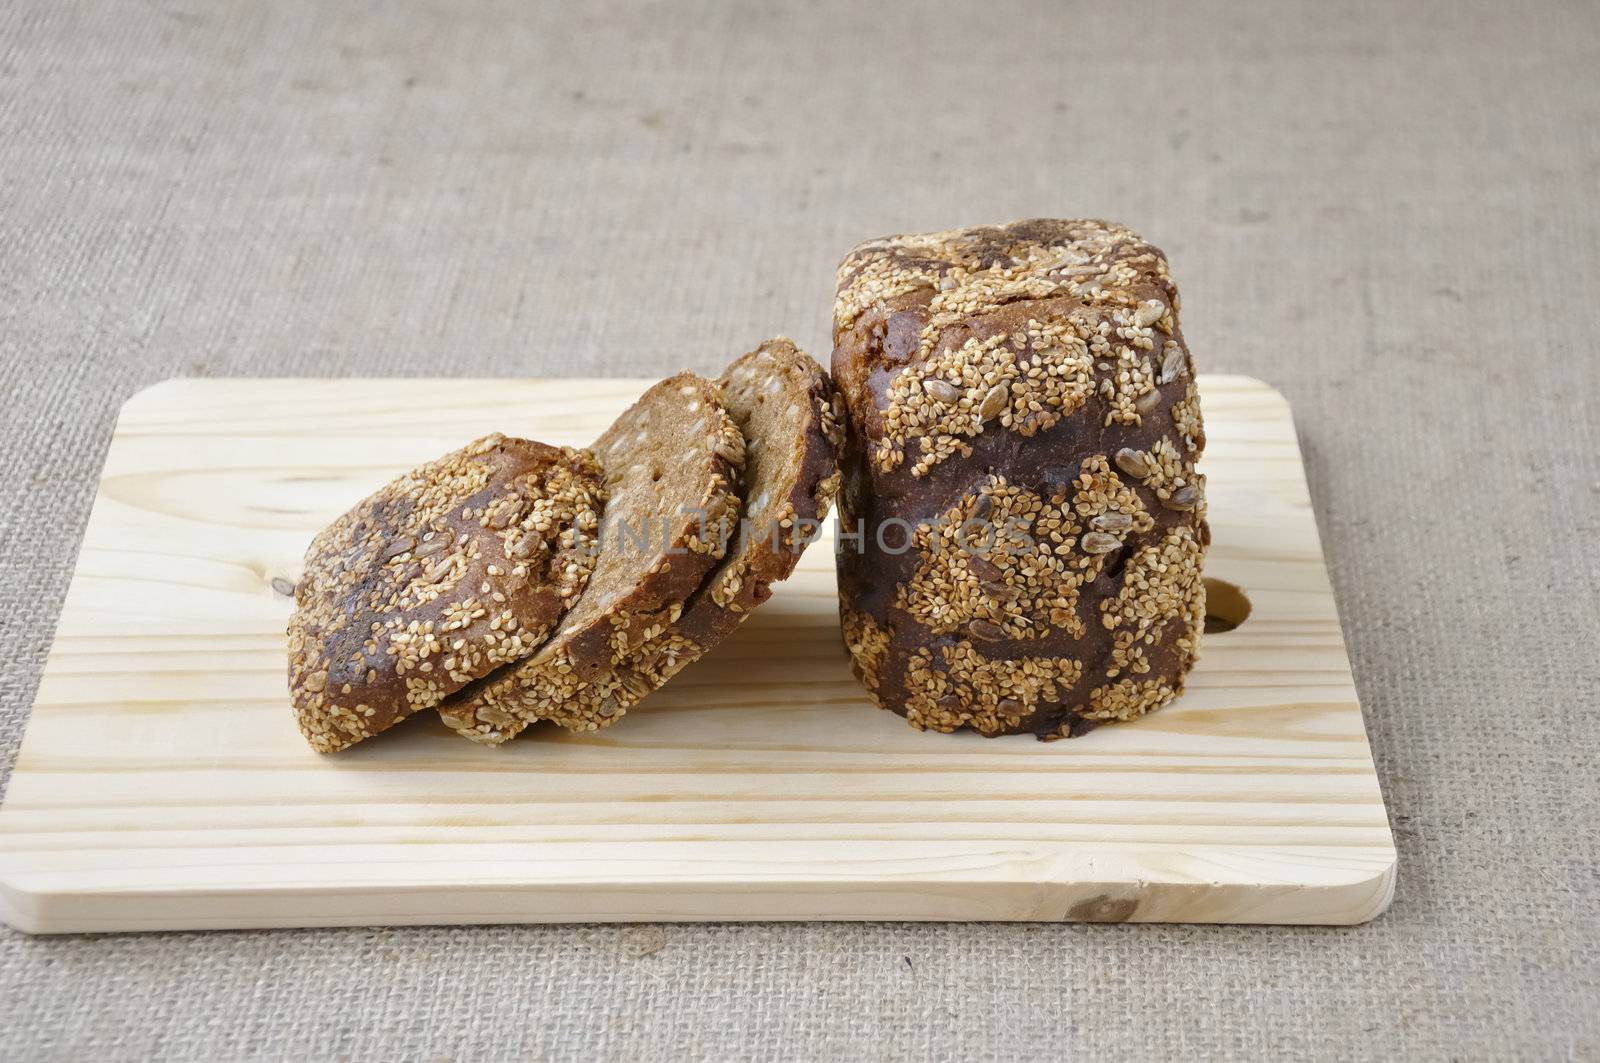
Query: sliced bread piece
pixel 784 405
pixel 438 579
pixel 672 465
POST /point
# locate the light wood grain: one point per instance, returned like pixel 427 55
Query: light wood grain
pixel 162 783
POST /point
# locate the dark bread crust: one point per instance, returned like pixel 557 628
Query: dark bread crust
pixel 672 463
pixel 435 580
pixel 1030 375
pixel 791 419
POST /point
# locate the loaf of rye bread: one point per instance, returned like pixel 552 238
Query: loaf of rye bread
pixel 441 577
pixel 1024 523
pixel 672 464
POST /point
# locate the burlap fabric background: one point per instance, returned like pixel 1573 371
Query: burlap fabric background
pixel 1390 211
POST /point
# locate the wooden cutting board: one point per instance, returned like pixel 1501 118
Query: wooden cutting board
pixel 162 783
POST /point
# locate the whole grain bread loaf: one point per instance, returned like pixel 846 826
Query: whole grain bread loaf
pixel 437 579
pixel 672 463
pixel 790 417
pixel 1020 470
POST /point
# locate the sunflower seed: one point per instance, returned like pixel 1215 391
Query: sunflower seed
pixel 1111 521
pixel 1182 499
pixel 984 569
pixel 1005 592
pixel 1010 707
pixel 495 716
pixel 986 630
pixel 1147 402
pixel 526 545
pixel 1097 542
pixel 1172 364
pixel 1149 313
pixel 996 400
pixel 941 390
pixel 430 547
pixel 983 507
pixel 1133 462
pixel 398 547
pixel 636 684
pixel 502 517
pixel 316 682
pixel 283 586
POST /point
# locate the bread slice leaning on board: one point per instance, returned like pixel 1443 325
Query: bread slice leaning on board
pixel 788 414
pixel 672 466
pixel 633 549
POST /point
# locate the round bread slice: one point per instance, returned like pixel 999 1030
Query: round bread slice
pixel 785 407
pixel 437 579
pixel 672 464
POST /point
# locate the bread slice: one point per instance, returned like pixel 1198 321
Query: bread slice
pixel 786 408
pixel 672 464
pixel 438 579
